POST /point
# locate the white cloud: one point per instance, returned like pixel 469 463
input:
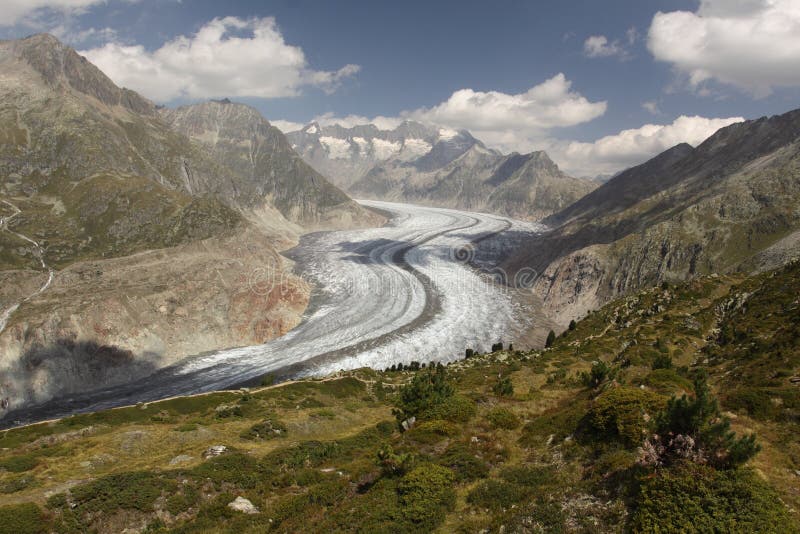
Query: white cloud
pixel 599 46
pixel 652 107
pixel 348 121
pixel 751 44
pixel 287 126
pixel 631 147
pixel 550 104
pixel 227 57
pixel 16 11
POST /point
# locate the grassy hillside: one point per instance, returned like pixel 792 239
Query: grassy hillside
pixel 559 440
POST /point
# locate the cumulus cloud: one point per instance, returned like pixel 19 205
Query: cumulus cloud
pixel 599 46
pixel 227 57
pixel 651 106
pixel 550 104
pixel 630 147
pixel 16 11
pixel 750 44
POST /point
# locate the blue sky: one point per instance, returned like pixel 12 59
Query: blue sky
pixel 623 67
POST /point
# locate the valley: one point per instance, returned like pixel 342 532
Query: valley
pixel 406 291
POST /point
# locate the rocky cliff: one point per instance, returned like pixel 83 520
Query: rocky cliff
pixel 729 204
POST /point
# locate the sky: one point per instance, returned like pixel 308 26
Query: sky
pixel 600 86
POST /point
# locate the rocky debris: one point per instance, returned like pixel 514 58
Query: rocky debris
pixel 240 504
pixel 181 459
pixel 408 424
pixel 98 460
pixel 215 450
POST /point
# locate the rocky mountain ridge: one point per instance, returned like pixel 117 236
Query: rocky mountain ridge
pixel 436 166
pixel 728 204
pixel 150 236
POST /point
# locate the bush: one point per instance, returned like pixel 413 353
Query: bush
pixel 695 429
pixel 393 464
pixel 457 409
pixel 427 389
pixel 503 418
pixel 496 495
pixel 532 477
pixel 267 429
pixel 624 414
pixel 599 373
pixel 129 491
pixel 503 387
pixel 24 518
pixel 465 464
pixel 662 361
pixel 692 498
pixel 572 325
pixel 425 495
pixel 19 464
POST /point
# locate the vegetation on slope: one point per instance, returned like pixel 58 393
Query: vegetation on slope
pixel 671 410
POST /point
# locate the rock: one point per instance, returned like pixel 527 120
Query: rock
pixel 215 450
pixel 240 504
pixel 408 424
pixel 181 459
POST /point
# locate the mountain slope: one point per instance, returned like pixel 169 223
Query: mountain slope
pixel 725 205
pixel 425 165
pixel 238 137
pixel 117 231
pixel 525 186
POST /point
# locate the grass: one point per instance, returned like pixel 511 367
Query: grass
pixel 555 455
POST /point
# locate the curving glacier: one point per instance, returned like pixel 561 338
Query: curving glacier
pixel 408 291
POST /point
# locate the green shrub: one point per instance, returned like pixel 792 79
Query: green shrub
pixel 503 387
pixel 662 361
pixel 430 432
pixel 466 465
pixel 700 421
pixel 394 464
pixel 503 418
pixel 496 494
pixel 532 477
pixel 426 493
pixel 234 468
pixel 458 409
pixel 130 491
pixel 599 373
pixel 267 429
pixel 427 389
pixel 19 464
pixel 667 381
pixel 24 518
pixel 624 413
pixel 693 498
pixel 18 483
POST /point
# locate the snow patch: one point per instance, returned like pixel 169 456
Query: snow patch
pixel 447 133
pixel 337 148
pixel 312 129
pixel 385 149
pixel 414 148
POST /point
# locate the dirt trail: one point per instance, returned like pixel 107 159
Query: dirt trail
pixel 6 314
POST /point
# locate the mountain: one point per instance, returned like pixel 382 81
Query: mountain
pixel 346 154
pixel 729 204
pixel 555 440
pixel 119 231
pixel 238 137
pixel 436 166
